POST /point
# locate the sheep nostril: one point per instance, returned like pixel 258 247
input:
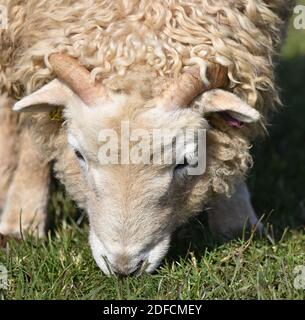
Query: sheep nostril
pixel 136 272
pixel 120 276
pixel 140 268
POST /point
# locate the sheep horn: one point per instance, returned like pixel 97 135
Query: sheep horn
pixel 76 76
pixel 189 85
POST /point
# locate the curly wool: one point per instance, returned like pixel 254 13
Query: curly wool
pixel 113 36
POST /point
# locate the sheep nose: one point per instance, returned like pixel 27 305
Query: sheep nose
pixel 125 271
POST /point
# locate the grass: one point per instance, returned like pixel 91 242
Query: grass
pixel 62 268
pixel 196 268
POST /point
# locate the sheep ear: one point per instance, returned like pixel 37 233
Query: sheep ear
pixel 47 98
pixel 234 110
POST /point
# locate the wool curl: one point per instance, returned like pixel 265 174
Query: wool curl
pixel 114 37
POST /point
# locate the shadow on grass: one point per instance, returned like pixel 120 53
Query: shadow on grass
pixel 277 180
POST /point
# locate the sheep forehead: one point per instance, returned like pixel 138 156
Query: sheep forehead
pixel 141 180
pixel 138 102
pixel 86 124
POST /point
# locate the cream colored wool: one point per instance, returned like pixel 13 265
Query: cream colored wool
pixel 114 36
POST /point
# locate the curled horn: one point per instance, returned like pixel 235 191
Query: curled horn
pixel 76 76
pixel 189 85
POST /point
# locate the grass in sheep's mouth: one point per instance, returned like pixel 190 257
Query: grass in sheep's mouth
pixel 62 266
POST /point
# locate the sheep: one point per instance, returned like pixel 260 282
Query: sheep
pixel 73 68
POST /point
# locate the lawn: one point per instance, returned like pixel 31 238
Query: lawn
pixel 196 267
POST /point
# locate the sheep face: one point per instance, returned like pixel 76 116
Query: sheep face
pixel 137 187
pixel 134 204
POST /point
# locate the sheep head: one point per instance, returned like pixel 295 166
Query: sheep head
pixel 138 158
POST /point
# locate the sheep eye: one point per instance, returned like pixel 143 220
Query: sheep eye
pixel 79 155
